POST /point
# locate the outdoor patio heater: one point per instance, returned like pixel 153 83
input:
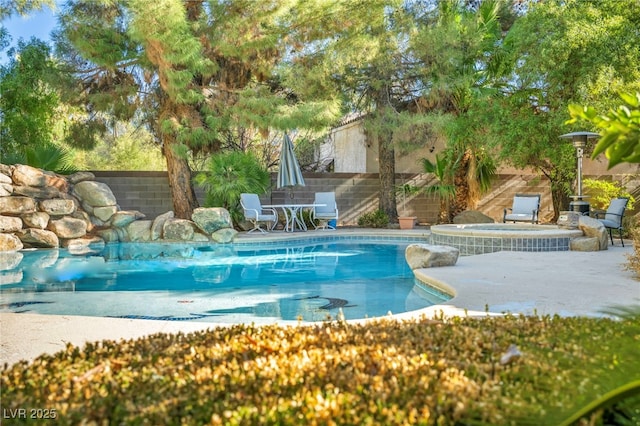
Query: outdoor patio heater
pixel 579 140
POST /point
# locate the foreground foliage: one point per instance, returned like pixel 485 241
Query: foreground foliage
pixel 387 372
pixel 633 263
pixel 619 128
pixel 601 192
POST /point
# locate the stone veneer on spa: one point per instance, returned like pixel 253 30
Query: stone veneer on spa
pixel 489 238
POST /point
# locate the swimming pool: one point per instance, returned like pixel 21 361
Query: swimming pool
pixel 235 283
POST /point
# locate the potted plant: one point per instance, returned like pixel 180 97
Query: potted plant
pixel 406 221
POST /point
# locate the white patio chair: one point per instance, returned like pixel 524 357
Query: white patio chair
pixel 525 209
pixel 255 213
pixel 325 213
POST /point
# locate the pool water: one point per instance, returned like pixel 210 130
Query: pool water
pixel 222 284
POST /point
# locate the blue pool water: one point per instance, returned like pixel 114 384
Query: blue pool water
pixel 223 283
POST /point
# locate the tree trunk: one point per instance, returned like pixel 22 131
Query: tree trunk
pixel 387 167
pixel 461 182
pixel 182 193
pixel 559 198
pixel 445 211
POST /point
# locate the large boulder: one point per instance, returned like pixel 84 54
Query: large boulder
pixel 109 235
pixel 140 230
pixel 105 213
pixel 80 177
pixel 68 227
pixel 40 238
pixel 82 215
pixel 57 206
pixel 9 242
pixel 28 176
pixel 593 228
pixel 199 237
pixel 96 194
pixel 224 236
pixel 10 223
pixel 472 216
pixel 15 205
pixel 55 181
pixel 584 244
pixel 6 169
pixel 568 220
pixel 35 220
pixel 211 219
pixel 429 256
pixel 178 229
pixel 6 189
pixel 124 217
pixel 42 193
pixel 86 245
pixel 158 224
pixel 10 260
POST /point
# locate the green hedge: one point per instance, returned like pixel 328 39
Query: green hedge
pixel 431 372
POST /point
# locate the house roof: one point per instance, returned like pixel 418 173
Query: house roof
pixel 350 118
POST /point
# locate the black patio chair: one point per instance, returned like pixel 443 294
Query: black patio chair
pixel 613 216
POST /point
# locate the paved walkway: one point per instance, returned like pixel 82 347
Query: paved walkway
pixel 564 283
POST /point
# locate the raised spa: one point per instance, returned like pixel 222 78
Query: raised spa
pixel 479 238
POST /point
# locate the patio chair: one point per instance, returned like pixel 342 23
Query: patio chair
pixel 255 213
pixel 525 209
pixel 325 213
pixel 613 216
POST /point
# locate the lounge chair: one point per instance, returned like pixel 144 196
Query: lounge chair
pixel 325 213
pixel 255 213
pixel 613 216
pixel 525 209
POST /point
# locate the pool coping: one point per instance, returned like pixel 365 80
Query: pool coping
pixel 565 283
pixel 518 230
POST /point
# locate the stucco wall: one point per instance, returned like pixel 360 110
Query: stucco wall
pixel 349 149
pixel 352 153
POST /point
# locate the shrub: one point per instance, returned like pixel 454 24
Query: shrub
pixel 229 174
pixel 634 258
pixel 308 220
pixel 418 371
pixel 601 193
pixel 375 219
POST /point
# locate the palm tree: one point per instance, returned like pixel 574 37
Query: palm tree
pixel 444 187
pixel 47 156
pixel 230 174
pixel 462 177
pixel 458 52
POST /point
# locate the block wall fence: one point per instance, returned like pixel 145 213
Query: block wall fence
pixel 356 193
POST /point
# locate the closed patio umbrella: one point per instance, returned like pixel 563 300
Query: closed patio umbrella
pixel 289 173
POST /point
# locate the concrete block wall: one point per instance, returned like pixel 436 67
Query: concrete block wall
pixel 506 186
pixel 147 192
pixel 356 193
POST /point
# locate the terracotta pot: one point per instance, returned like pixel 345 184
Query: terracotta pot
pixel 407 222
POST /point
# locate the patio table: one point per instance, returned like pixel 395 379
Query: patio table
pixel 293 214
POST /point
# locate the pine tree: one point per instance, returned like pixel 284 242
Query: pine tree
pixel 195 69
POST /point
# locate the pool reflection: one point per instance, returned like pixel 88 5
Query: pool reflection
pixel 229 283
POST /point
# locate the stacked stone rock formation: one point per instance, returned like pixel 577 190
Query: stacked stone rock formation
pixel 42 209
